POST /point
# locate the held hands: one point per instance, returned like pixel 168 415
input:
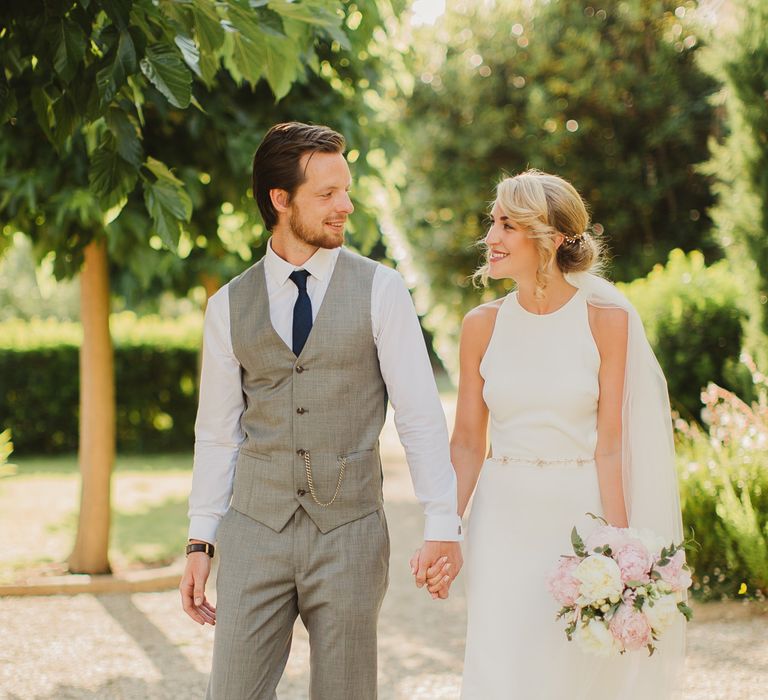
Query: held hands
pixel 192 589
pixel 436 565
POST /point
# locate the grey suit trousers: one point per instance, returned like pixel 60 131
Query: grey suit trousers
pixel 335 581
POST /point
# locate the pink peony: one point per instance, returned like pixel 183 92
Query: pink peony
pixel 561 583
pixel 603 535
pixel 634 560
pixel 673 573
pixel 630 628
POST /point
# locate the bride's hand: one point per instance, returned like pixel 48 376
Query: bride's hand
pixel 438 575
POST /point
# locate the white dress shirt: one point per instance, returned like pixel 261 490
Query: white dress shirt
pixel 405 368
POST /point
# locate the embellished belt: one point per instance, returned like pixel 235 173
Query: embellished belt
pixel 540 462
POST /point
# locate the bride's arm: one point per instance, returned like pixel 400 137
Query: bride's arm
pixel 468 441
pixel 610 329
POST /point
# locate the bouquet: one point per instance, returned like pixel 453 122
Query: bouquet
pixel 622 589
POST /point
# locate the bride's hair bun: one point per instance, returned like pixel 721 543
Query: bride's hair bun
pixel 551 210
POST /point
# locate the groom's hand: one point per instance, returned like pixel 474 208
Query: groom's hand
pixel 436 565
pixel 192 589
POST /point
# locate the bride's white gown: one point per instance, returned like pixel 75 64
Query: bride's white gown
pixel 541 388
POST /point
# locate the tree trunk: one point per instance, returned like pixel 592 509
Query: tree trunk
pixel 211 284
pixel 97 416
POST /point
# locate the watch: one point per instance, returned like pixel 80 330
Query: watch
pixel 206 547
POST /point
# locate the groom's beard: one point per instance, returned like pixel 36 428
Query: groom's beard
pixel 314 235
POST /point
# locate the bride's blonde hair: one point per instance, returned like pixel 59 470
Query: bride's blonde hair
pixel 546 205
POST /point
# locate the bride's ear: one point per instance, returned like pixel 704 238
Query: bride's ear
pixel 559 238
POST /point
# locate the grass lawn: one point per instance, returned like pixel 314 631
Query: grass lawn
pixel 39 501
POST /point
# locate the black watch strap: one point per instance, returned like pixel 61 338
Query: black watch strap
pixel 206 547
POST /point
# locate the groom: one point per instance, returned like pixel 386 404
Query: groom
pixel 300 354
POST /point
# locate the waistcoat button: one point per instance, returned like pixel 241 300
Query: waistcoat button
pixel 300 492
pixel 299 369
pixel 301 411
pixel 301 453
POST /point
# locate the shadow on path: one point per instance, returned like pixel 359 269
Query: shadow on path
pixel 178 676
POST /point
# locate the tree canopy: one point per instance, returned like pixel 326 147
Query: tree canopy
pixel 607 95
pixel 739 163
pixel 147 104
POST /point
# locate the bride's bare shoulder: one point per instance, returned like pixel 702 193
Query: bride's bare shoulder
pixel 478 323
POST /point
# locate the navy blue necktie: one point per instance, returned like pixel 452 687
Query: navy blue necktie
pixel 302 311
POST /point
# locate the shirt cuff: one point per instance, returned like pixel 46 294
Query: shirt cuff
pixel 203 527
pixel 443 528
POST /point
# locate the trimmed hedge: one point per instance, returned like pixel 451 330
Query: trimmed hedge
pixel 156 369
pixel 693 315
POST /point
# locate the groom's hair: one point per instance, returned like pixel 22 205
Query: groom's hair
pixel 276 162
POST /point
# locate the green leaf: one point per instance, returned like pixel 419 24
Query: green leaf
pixel 189 52
pixel 167 203
pixel 635 584
pixel 66 116
pixel 261 50
pixel 118 11
pixel 41 104
pixel 8 103
pixel 313 14
pixel 69 49
pixel 161 171
pixel 127 136
pixel 166 71
pixel 111 178
pixel 248 57
pixel 121 62
pixel 687 612
pixel 210 33
pixel 578 544
pixel 282 65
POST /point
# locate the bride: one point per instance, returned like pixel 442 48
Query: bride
pixel 579 423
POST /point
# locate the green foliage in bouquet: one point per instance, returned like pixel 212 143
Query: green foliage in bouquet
pixel 693 318
pixel 156 366
pixel 724 491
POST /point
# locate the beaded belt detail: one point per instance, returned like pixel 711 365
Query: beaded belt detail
pixel 539 462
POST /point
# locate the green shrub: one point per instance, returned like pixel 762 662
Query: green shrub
pixel 724 493
pixel 693 318
pixel 156 366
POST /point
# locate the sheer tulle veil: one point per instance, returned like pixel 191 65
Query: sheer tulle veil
pixel 648 459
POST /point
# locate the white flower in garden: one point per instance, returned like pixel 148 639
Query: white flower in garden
pixel 595 638
pixel 599 578
pixel 663 612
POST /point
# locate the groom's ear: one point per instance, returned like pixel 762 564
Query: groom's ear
pixel 280 199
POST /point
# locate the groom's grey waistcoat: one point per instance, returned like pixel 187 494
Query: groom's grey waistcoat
pixel 330 401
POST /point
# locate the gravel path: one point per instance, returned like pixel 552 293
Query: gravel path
pixel 142 647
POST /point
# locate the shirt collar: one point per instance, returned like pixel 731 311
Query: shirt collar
pixel 320 265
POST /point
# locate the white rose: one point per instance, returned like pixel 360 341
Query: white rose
pixel 653 543
pixel 595 638
pixel 662 613
pixel 599 578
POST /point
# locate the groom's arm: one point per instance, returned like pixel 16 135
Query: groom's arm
pixel 419 416
pixel 218 436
